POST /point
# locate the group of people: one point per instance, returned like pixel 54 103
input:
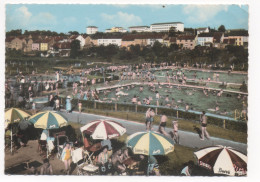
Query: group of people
pixel 149 119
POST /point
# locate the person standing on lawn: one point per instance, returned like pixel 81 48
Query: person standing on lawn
pixel 162 125
pixel 203 121
pixel 147 119
pixel 66 157
pixel 80 106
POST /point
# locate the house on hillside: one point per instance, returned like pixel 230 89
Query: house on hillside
pixel 166 41
pixel 218 38
pixel 109 39
pixel 90 42
pixel 205 39
pixel 8 41
pixel 151 39
pixel 91 30
pixel 44 45
pixel 28 44
pixel 240 36
pixel 36 45
pixel 142 39
pixel 187 41
pixel 80 38
pixel 128 40
pixel 17 43
pixel 61 49
pixel 202 30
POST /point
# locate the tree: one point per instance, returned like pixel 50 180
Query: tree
pixel 174 47
pixel 157 48
pixel 135 49
pixel 221 28
pixel 73 33
pixel 17 32
pixel 75 46
pixel 172 32
pixel 111 50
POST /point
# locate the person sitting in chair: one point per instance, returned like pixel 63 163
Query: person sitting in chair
pixel 117 161
pixel 103 161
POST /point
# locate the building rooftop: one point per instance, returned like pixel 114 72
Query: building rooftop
pixel 206 35
pixel 202 28
pixel 92 27
pixel 138 26
pixel 186 37
pixel 132 37
pixel 238 33
pixel 166 23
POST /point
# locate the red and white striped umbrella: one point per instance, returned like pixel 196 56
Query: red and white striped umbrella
pixel 222 160
pixel 103 129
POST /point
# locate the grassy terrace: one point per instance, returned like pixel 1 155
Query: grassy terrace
pixel 183 124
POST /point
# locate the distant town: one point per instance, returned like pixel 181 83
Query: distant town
pixel 48 43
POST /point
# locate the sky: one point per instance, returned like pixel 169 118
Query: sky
pixel 65 18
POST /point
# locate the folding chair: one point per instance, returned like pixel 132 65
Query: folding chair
pixel 89 150
pixel 82 167
pixel 42 146
pixel 60 140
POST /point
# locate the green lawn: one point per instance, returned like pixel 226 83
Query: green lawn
pixel 183 124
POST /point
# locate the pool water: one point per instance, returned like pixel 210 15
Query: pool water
pixel 40 100
pixel 193 97
pixel 223 77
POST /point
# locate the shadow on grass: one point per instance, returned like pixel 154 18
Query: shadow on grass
pixel 22 167
pixel 198 130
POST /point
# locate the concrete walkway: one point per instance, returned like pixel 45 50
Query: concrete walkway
pixel 188 139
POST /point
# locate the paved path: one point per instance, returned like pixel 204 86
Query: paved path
pixel 188 139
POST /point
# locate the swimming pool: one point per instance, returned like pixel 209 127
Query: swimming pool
pixel 223 76
pixel 195 98
pixel 40 100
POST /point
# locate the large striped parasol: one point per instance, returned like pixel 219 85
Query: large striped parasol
pixel 103 129
pixel 48 120
pixel 14 115
pixel 150 143
pixel 222 160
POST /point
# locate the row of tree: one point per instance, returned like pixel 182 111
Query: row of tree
pixel 19 32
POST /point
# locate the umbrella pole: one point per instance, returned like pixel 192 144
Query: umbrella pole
pixel 11 140
pixel 148 166
pixel 47 145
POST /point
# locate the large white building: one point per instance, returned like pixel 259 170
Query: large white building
pixel 165 27
pixel 91 30
pixel 139 28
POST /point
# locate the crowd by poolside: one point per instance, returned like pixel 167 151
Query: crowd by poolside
pixel 109 160
pixel 85 88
